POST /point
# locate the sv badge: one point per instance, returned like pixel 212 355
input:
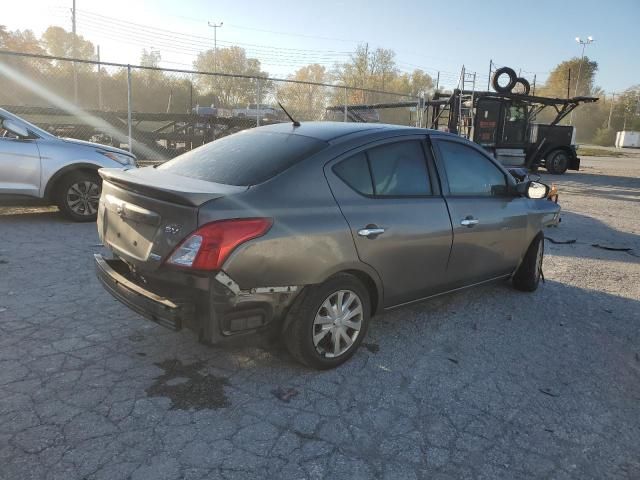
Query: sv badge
pixel 172 228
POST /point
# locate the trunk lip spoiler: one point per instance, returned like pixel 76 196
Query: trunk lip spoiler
pixel 175 188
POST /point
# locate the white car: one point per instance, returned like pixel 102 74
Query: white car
pixel 254 110
pixel 35 165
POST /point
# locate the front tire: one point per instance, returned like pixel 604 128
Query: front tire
pixel 327 323
pixel 527 277
pixel 557 162
pixel 78 194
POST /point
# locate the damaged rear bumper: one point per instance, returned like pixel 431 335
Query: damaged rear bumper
pixel 157 308
pixel 215 307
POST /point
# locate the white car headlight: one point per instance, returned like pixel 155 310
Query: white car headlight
pixel 119 157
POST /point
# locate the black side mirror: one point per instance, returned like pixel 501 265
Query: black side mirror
pixel 531 189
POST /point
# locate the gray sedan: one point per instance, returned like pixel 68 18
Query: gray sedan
pixel 308 231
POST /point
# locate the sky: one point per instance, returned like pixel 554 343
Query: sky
pixel 530 36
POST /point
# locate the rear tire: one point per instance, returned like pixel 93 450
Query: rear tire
pixel 316 320
pixel 527 277
pixel 557 162
pixel 77 196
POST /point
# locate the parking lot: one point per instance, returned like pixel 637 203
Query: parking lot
pixel 486 383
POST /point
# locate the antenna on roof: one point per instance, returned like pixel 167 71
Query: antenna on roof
pixel 295 123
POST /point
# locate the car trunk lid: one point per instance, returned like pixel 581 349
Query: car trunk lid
pixel 144 213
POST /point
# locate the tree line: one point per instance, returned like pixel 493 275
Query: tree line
pixel 367 69
pixel 595 122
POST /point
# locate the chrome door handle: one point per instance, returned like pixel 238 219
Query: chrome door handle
pixel 370 232
pixel 469 222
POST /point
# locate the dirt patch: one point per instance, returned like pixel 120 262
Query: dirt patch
pixel 187 388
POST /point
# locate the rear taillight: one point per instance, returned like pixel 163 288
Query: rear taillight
pixel 209 246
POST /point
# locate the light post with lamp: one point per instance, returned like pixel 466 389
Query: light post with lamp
pixel 584 42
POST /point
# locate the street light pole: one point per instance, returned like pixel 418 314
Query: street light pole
pixel 215 43
pixel 589 40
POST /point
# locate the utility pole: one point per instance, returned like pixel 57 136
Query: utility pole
pixel 366 72
pixel 613 97
pixel 99 81
pixel 584 43
pixel 534 84
pixel 215 63
pixel 73 51
pixel 215 44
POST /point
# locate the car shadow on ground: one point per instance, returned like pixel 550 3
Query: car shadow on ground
pixel 446 325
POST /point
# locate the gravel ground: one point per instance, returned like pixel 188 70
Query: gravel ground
pixel 487 383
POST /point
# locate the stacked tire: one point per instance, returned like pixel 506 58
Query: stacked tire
pixel 514 83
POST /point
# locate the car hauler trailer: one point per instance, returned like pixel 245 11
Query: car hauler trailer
pixel 505 124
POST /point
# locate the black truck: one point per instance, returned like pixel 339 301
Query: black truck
pixel 505 124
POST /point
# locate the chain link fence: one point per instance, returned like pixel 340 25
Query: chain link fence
pixel 160 113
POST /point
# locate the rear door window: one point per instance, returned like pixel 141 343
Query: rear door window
pixel 247 158
pixel 399 169
pixel 392 170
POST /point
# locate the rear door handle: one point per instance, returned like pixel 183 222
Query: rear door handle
pixel 469 222
pixel 370 232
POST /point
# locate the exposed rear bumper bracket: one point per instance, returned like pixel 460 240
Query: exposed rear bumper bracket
pixel 154 307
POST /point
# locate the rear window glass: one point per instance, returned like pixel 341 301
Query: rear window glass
pixel 355 172
pixel 244 159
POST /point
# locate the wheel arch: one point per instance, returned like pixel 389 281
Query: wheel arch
pixel 539 233
pixel 50 189
pixel 555 148
pixel 370 281
pixel 374 290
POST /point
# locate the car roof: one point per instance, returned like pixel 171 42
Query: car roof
pixel 328 131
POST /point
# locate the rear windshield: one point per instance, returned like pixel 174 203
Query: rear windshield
pixel 244 159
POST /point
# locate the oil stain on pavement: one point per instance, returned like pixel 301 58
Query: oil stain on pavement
pixel 187 388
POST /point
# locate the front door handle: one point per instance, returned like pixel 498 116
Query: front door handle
pixel 370 232
pixel 469 222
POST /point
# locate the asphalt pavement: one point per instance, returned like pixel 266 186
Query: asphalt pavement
pixel 486 383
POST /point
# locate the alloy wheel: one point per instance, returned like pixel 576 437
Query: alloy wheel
pixel 337 323
pixel 82 198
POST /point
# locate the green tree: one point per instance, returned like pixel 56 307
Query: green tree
pixel 417 83
pixel 150 58
pixel 60 43
pixel 367 69
pixel 604 136
pixel 562 80
pixel 626 110
pixel 230 91
pixel 19 41
pixel 565 75
pixel 305 102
